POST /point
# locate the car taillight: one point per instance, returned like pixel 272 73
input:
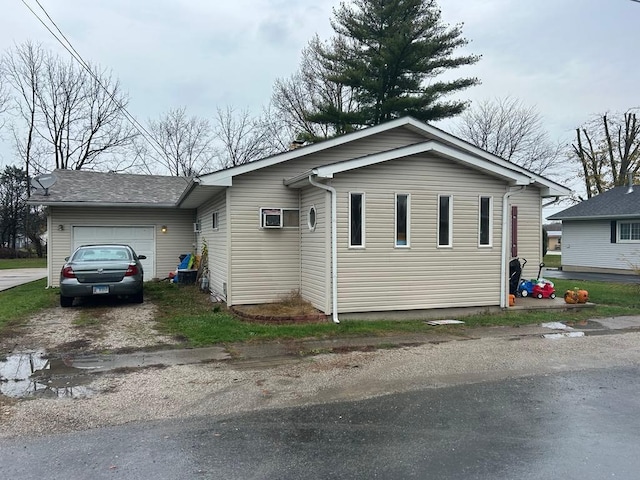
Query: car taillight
pixel 132 270
pixel 67 272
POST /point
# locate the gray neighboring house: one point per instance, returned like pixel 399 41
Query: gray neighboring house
pixel 602 234
pixel 393 218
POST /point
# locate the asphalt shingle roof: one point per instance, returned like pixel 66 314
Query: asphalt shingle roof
pixel 614 203
pixel 78 186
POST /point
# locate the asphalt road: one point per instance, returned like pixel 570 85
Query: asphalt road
pixel 578 425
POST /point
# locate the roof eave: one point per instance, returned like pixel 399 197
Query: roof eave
pixel 101 204
pixel 595 217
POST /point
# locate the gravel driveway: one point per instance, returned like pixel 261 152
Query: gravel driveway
pixel 94 327
pixel 225 388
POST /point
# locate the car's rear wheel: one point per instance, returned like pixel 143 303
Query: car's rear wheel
pixel 66 301
pixel 137 298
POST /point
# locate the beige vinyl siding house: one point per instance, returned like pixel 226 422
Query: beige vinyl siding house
pixel 217 239
pixel 405 218
pixel 315 239
pixel 382 276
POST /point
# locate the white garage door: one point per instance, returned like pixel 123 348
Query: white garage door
pixel 141 239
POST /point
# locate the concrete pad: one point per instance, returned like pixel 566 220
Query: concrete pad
pixel 18 276
pixel 619 323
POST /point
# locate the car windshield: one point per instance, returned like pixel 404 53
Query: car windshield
pixel 101 254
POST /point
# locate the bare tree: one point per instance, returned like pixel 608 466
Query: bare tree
pixel 4 99
pixel 185 144
pixel 300 97
pixel 71 114
pixel 511 130
pixel 22 68
pixel 243 138
pixel 608 150
pixel 82 114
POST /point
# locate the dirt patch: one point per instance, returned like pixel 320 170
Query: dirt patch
pixel 291 308
pixel 89 328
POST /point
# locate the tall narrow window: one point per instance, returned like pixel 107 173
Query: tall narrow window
pixel 486 221
pixel 402 219
pixel 445 220
pixel 356 219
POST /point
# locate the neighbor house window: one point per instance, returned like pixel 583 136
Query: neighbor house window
pixel 214 220
pixel 402 219
pixel 445 220
pixel 356 219
pixel 485 226
pixel 629 231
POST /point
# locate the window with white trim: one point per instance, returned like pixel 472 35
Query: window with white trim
pixel 214 220
pixel 629 232
pixel 445 220
pixel 356 219
pixel 279 218
pixel 403 220
pixel 485 221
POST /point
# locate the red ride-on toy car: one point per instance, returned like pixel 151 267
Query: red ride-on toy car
pixel 544 289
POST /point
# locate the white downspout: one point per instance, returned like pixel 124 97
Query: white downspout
pixel 505 248
pixel 334 246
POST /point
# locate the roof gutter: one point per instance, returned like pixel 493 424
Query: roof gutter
pixel 505 248
pixel 334 246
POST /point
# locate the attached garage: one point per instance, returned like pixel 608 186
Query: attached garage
pixel 141 239
pixel 139 210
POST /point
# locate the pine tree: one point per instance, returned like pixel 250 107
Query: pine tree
pixel 389 52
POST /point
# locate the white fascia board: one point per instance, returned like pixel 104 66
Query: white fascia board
pixel 554 191
pixel 516 178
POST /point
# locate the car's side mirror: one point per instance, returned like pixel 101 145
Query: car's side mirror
pixel 66 259
pixel 142 257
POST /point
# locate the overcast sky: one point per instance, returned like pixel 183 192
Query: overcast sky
pixel 569 58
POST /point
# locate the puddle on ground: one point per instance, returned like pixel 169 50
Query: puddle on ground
pixel 33 374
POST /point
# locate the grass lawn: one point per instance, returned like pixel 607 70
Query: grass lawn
pixel 18 303
pixel 6 263
pixel 189 314
pixel 552 261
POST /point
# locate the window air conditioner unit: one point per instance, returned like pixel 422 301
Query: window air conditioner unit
pixel 271 217
pixel 196 227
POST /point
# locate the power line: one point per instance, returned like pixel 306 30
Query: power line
pixel 78 58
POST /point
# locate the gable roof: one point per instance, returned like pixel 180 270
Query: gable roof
pixel 431 146
pixel 465 153
pixel 618 202
pixel 86 188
